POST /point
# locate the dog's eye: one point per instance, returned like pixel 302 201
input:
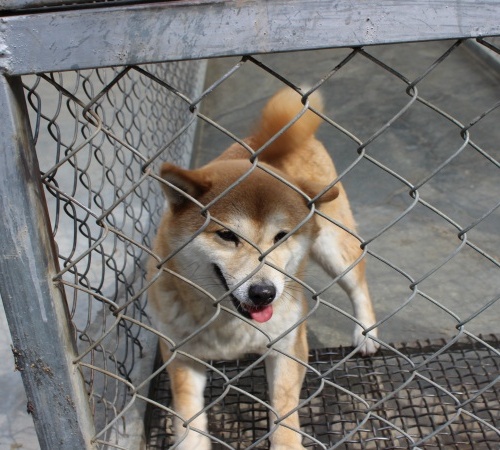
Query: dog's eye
pixel 280 236
pixel 228 236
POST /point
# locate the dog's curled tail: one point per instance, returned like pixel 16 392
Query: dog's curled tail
pixel 282 109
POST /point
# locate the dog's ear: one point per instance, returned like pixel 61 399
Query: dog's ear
pixel 192 182
pixel 312 189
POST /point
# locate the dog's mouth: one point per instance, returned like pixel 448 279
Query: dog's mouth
pixel 260 314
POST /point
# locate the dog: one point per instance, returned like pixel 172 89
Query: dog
pixel 217 291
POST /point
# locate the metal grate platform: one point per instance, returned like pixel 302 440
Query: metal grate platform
pixel 449 402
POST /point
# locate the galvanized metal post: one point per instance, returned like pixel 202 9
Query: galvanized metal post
pixel 36 309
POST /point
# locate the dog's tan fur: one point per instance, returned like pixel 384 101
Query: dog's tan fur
pixel 242 224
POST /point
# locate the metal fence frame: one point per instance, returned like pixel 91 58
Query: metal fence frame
pixel 46 35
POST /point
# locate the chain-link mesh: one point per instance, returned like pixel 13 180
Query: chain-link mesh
pixel 100 138
pixel 99 134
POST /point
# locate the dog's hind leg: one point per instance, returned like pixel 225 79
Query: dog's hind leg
pixel 336 250
pixel 187 381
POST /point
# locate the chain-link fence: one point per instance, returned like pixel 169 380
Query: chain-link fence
pixel 414 136
pixel 101 135
pixel 429 394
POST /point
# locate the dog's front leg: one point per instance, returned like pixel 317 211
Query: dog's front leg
pixel 187 381
pixel 285 377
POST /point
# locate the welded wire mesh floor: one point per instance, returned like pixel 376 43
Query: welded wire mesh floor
pixel 448 402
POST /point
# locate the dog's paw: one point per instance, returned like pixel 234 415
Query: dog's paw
pixel 365 346
pixel 293 441
pixel 194 441
pixel 286 447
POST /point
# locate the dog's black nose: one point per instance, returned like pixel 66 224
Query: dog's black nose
pixel 262 293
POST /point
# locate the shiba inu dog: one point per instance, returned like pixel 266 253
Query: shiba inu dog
pixel 230 248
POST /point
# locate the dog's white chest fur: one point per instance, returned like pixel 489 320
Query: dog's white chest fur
pixel 214 333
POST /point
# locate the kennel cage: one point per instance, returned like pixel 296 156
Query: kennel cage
pixel 79 217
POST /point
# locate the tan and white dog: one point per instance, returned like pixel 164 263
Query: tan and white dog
pixel 218 298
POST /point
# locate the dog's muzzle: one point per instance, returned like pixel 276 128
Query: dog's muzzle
pixel 260 294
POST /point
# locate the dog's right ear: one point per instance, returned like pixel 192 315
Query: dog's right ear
pixel 192 182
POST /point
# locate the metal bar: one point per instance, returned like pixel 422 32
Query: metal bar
pixel 18 4
pixel 34 5
pixel 154 32
pixel 36 310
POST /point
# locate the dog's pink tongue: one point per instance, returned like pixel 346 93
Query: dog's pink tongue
pixel 261 315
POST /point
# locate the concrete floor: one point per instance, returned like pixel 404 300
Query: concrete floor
pixel 362 97
pixel 16 426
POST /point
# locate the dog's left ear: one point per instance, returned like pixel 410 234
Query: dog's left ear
pixel 192 182
pixel 312 189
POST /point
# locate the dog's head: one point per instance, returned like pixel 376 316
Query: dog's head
pixel 229 242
